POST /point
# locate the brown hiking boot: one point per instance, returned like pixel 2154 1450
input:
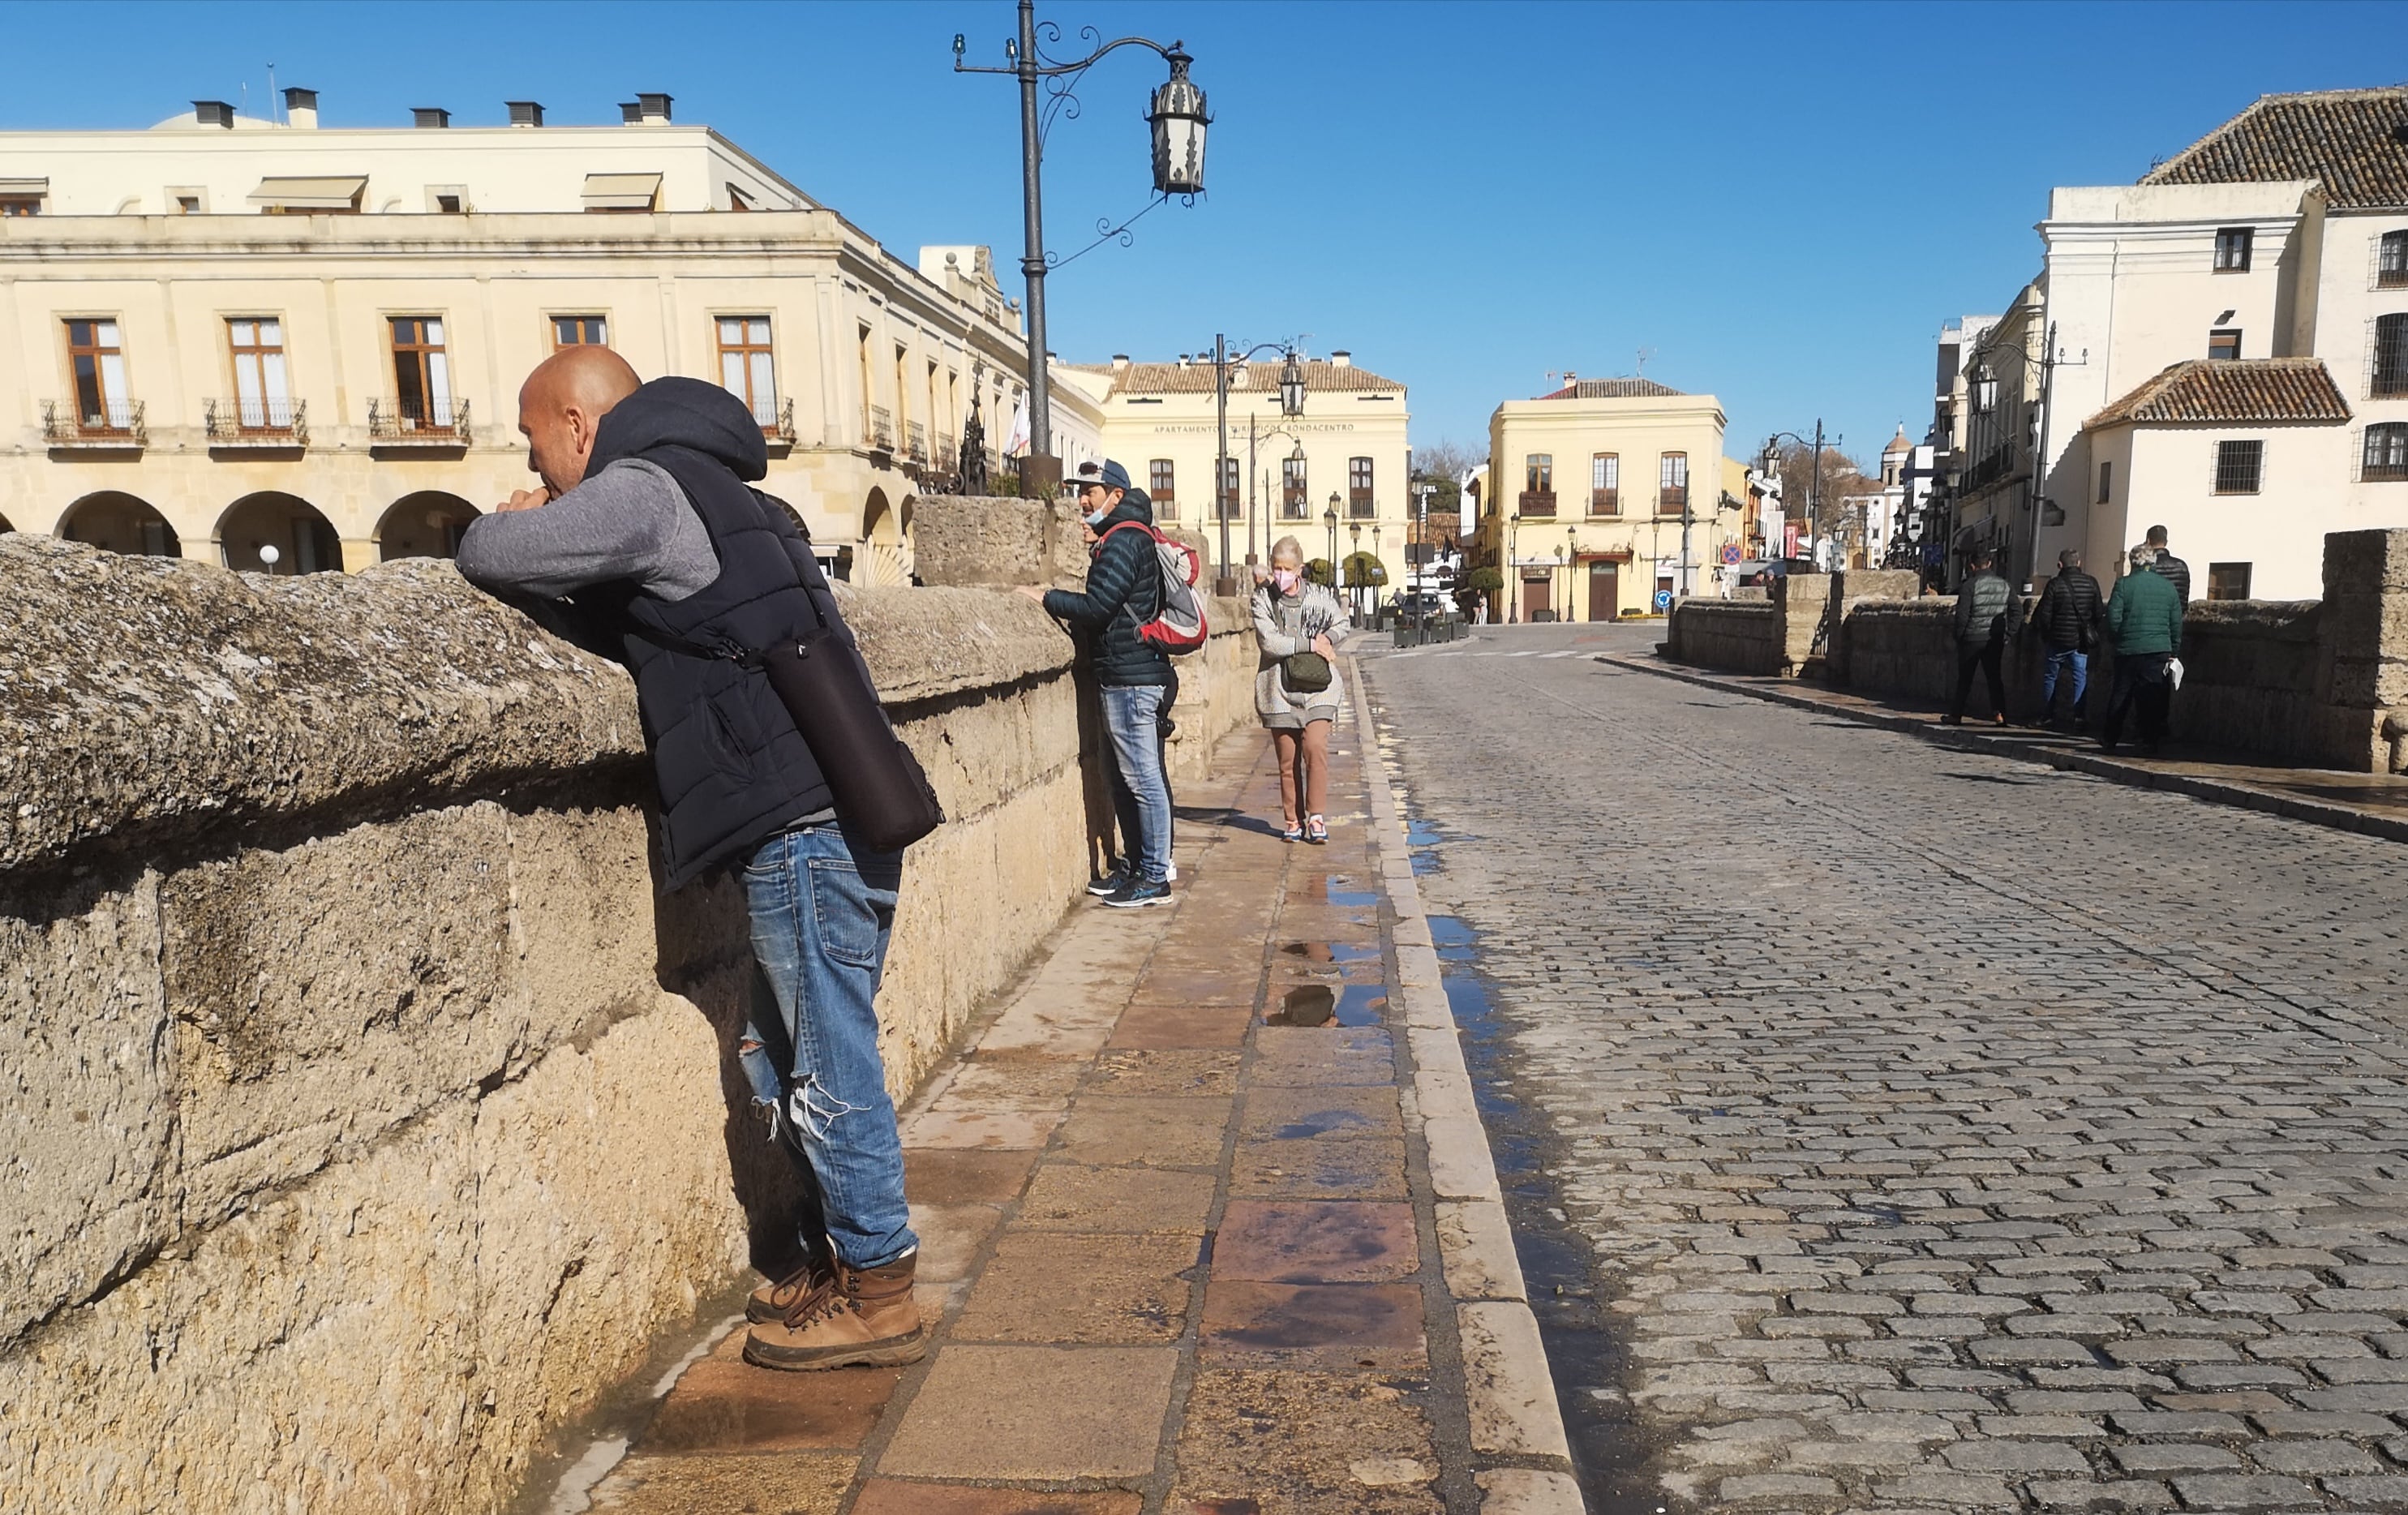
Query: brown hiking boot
pixel 771 1301
pixel 860 1317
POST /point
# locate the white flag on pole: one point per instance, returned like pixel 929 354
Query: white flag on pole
pixel 1017 443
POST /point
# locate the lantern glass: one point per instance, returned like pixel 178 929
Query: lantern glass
pixel 1291 387
pixel 1179 121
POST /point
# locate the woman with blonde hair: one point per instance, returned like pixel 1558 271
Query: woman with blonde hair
pixel 1297 693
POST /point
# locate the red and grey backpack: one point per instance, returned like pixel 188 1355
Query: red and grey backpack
pixel 1178 623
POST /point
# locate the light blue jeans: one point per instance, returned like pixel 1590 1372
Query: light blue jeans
pixel 2053 659
pixel 821 915
pixel 1132 716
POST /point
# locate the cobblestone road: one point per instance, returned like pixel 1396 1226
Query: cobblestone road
pixel 1950 1133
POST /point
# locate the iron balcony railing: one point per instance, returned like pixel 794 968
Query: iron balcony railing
pixel 415 422
pixel 916 441
pixel 115 424
pixel 1536 502
pixel 1295 506
pixel 260 423
pixel 1605 502
pixel 949 455
pixel 777 418
pixel 1673 499
pixel 1359 507
pixel 881 429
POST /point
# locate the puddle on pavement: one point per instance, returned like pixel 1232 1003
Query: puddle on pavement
pixel 1612 1454
pixel 1319 1004
pixel 1420 843
pixel 1333 951
pixel 1332 891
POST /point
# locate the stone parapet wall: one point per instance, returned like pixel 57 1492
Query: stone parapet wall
pixel 372 1112
pixel 1738 636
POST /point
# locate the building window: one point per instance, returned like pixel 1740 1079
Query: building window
pixel 2228 580
pixel 1358 487
pixel 580 331
pixel 1605 484
pixel 1161 483
pixel 2384 457
pixel 2225 342
pixel 422 372
pixel 746 368
pixel 2392 261
pixel 19 205
pixel 98 367
pixel 447 205
pixel 2106 483
pixel 1672 484
pixel 185 202
pixel 1294 489
pixel 2390 355
pixel 2240 467
pixel 1230 483
pixel 1539 473
pixel 2232 250
pixel 261 399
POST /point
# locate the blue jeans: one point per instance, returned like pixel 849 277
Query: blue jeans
pixel 821 915
pixel 1132 716
pixel 2053 658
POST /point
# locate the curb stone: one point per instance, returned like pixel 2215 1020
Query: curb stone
pixel 1511 1389
pixel 2214 791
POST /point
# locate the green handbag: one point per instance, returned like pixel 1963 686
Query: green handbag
pixel 1305 673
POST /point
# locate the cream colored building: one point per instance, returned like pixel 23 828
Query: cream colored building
pixel 1593 486
pixel 2275 248
pixel 1159 421
pixel 225 335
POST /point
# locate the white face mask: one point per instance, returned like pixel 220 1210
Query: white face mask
pixel 1097 519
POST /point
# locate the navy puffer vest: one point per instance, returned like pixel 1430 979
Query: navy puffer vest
pixel 733 770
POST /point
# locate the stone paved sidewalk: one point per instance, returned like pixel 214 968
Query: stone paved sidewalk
pixel 1181 1231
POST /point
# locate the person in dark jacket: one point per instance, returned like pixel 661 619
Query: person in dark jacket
pixel 1124 592
pixel 1990 615
pixel 646 526
pixel 2144 617
pixel 2167 566
pixel 2069 621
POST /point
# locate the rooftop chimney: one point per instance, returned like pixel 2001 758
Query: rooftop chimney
pixel 430 118
pixel 1120 363
pixel 526 112
pixel 301 108
pixel 646 110
pixel 213 113
pixel 1340 358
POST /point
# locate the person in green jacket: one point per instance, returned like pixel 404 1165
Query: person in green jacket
pixel 2144 620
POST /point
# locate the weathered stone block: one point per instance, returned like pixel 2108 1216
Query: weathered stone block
pixel 965 541
pixel 87 1129
pixel 2365 562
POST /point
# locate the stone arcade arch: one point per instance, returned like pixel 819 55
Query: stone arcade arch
pixel 304 541
pixel 116 522
pixel 884 558
pixel 426 524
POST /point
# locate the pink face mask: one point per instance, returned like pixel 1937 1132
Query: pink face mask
pixel 1285 578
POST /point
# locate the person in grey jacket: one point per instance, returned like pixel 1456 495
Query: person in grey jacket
pixel 1292 616
pixel 1989 614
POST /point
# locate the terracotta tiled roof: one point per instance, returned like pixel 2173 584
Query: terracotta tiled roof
pixel 2242 391
pixel 2354 142
pixel 1608 389
pixel 1260 377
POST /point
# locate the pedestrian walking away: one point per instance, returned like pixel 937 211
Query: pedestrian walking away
pixel 648 529
pixel 1298 625
pixel 2144 620
pixel 2166 566
pixel 1990 615
pixel 2069 621
pixel 1123 594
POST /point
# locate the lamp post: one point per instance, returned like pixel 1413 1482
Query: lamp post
pixel 1772 465
pixel 1355 567
pixel 1330 518
pixel 1297 455
pixel 1571 569
pixel 1291 400
pixel 2021 559
pixel 1177 121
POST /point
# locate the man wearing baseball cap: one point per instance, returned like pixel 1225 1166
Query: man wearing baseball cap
pixel 1124 592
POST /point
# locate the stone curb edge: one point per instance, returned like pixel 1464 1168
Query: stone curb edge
pixel 2242 796
pixel 1508 1387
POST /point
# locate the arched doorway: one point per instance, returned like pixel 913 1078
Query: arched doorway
pixel 118 523
pixel 881 561
pixel 279 534
pixel 426 524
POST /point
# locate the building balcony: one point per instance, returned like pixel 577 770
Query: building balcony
pixel 1673 501
pixel 1605 502
pixel 915 442
pixel 278 423
pixel 416 424
pixel 1295 506
pixel 1536 502
pixel 1359 507
pixel 947 456
pixel 777 421
pixel 878 429
pixel 116 425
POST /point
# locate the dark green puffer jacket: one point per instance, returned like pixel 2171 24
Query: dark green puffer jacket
pixel 1124 592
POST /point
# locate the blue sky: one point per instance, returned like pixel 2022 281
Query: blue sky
pixel 1781 203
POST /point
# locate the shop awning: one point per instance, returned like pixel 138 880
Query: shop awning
pixel 334 194
pixel 622 191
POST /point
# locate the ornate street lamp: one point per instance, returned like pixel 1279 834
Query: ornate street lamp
pixel 1179 121
pixel 1330 518
pixel 1291 404
pixel 1291 387
pixel 1178 118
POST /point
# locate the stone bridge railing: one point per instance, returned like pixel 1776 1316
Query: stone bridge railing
pixel 370 1110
